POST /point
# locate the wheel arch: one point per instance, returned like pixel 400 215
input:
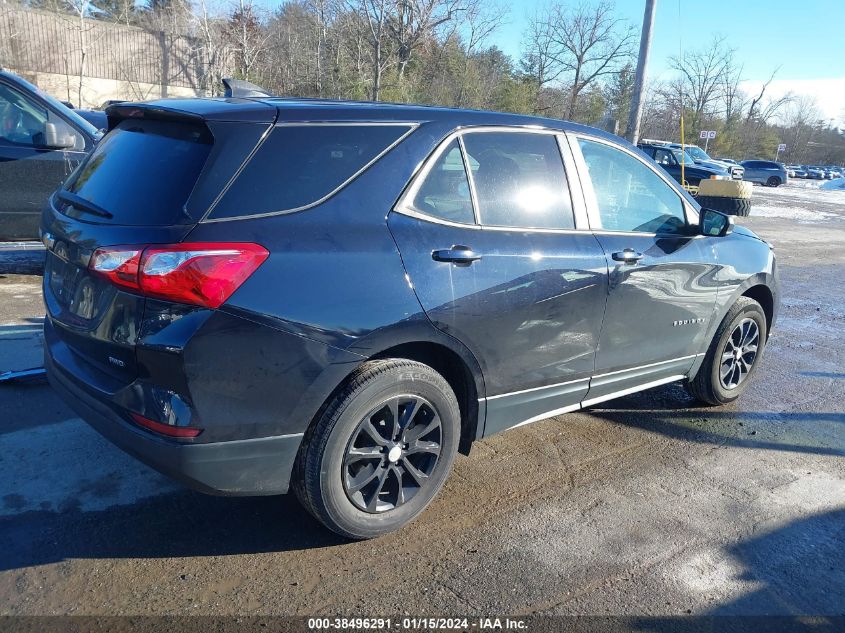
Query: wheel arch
pixel 457 373
pixel 418 340
pixel 762 294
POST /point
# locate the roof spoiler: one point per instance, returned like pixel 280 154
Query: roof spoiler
pixel 242 88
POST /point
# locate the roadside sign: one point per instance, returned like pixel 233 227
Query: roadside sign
pixel 782 147
pixel 703 134
pixel 711 134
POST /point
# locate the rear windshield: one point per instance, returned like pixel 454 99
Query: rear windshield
pixel 299 165
pixel 143 171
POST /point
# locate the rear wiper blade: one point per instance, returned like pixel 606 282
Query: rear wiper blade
pixel 82 204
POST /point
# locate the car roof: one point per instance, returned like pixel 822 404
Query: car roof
pixel 270 109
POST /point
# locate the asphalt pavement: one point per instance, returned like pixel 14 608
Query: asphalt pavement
pixel 647 505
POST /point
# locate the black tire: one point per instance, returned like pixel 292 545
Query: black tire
pixel 773 181
pixel 731 206
pixel 708 385
pixel 331 465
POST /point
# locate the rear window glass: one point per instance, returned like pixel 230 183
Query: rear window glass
pixel 299 165
pixel 143 172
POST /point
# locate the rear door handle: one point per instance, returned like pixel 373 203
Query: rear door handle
pixel 629 256
pixel 458 254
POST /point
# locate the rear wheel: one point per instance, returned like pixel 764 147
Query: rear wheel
pixel 733 355
pixel 773 181
pixel 380 451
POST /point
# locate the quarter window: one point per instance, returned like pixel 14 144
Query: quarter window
pixel 445 193
pixel 630 196
pixel 519 180
pixel 299 165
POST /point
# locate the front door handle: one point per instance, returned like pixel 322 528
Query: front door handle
pixel 458 254
pixel 628 256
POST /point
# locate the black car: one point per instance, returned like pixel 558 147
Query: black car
pixel 670 159
pixel 253 295
pixel 41 142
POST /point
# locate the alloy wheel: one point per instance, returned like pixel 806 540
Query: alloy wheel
pixel 392 454
pixel 739 354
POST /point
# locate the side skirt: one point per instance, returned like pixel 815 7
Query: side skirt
pixel 533 405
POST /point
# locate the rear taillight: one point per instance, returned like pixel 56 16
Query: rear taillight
pixel 165 429
pixel 197 273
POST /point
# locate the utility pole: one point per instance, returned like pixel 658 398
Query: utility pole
pixel 633 131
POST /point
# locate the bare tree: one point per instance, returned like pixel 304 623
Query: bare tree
pixel 590 42
pixel 539 58
pixel 375 14
pixel 247 37
pixel 413 20
pixel 702 79
pixel 764 111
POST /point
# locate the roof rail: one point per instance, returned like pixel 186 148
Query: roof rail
pixel 242 88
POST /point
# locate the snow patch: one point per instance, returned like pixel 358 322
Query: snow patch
pixel 792 213
pixel 837 184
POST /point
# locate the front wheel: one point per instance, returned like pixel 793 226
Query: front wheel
pixel 733 355
pixel 381 449
pixel 773 181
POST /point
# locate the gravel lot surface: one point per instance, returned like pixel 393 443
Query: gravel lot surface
pixel 646 505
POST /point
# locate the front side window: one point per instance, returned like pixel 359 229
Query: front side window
pixel 664 157
pixel 21 121
pixel 519 180
pixel 445 193
pixel 299 165
pixel 630 196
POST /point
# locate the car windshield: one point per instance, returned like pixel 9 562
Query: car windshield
pixel 697 153
pixel 682 156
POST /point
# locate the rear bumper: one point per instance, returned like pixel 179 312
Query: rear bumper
pixel 260 466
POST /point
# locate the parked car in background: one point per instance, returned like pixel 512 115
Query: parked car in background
pixel 796 171
pixel 701 158
pixel 670 158
pixel 831 172
pixel 814 173
pixel 765 172
pixel 467 272
pixel 41 142
pixel 97 118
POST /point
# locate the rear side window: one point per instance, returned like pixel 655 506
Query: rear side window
pixel 445 193
pixel 143 171
pixel 299 165
pixel 519 180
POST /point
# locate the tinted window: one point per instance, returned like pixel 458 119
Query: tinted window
pixel 143 172
pixel 630 196
pixel 445 191
pixel 664 157
pixel 519 180
pixel 21 121
pixel 300 164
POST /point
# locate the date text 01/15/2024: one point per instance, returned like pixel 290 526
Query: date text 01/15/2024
pixel 412 623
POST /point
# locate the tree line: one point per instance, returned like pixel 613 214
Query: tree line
pixel 576 62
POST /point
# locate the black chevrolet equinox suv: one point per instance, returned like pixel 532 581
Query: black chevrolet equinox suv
pixel 252 295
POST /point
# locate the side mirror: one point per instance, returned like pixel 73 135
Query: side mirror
pixel 714 223
pixel 59 135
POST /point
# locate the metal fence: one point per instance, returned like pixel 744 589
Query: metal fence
pixel 40 41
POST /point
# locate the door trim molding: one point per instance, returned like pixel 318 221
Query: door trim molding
pixel 585 403
pixel 624 392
